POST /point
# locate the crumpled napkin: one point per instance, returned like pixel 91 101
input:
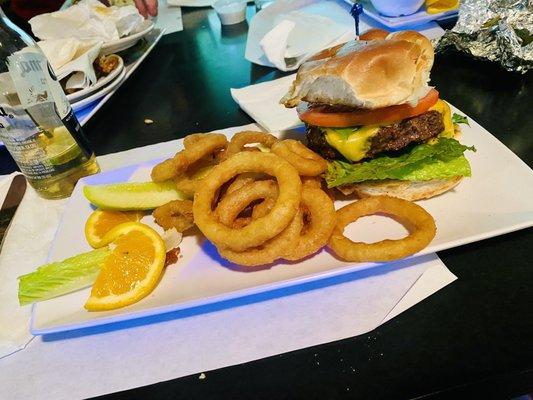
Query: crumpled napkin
pixel 296 36
pixel 25 246
pixel 87 20
pixel 261 102
pixel 72 56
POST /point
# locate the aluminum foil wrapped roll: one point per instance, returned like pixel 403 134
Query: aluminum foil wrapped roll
pixel 495 30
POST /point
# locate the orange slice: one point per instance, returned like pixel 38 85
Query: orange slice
pixel 102 221
pixel 131 271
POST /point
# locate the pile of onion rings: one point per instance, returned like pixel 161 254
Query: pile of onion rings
pixel 261 229
pixel 259 199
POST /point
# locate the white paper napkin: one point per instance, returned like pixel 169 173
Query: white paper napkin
pixel 72 56
pixel 168 17
pixel 127 19
pixel 87 20
pixel 25 246
pixel 261 102
pixel 279 31
pixel 298 35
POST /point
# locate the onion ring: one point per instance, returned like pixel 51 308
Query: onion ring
pixel 186 185
pixel 320 210
pixel 233 203
pixel 419 223
pixel 312 182
pixel 263 208
pixel 199 146
pixel 259 210
pixel 269 251
pixel 305 160
pixel 241 139
pixel 242 180
pixel 170 168
pixel 189 181
pixel 318 183
pixel 261 229
pixel 175 214
pixel 205 145
pixel 192 139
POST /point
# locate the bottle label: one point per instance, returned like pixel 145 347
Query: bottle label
pixel 35 81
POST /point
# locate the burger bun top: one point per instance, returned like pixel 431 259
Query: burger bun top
pixel 366 73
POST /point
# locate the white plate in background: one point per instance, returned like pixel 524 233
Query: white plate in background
pixel 483 206
pixel 418 18
pixel 86 101
pixel 127 41
pixel 194 3
pixel 103 81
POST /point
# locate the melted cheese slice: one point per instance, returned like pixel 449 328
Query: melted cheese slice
pixel 442 107
pixel 354 143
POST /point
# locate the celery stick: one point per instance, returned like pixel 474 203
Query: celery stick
pixel 61 277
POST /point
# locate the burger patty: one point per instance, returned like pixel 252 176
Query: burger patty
pixel 412 130
pixel 389 138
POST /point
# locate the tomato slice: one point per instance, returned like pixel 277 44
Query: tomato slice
pixel 329 117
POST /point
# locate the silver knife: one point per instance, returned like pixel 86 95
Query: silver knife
pixel 13 198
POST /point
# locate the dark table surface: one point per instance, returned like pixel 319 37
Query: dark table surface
pixel 474 337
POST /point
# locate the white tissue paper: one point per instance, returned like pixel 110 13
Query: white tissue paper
pixel 288 32
pixel 310 32
pixel 87 20
pixel 67 56
pixel 261 102
pixel 297 35
pixel 127 19
pixel 26 245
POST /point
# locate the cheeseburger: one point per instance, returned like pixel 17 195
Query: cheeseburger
pixel 369 110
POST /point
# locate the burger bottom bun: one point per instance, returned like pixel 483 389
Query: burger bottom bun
pixel 407 190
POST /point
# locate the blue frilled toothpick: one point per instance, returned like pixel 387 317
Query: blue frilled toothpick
pixel 355 12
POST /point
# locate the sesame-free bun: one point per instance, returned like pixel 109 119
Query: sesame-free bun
pixel 366 74
pixel 407 190
pixel 374 34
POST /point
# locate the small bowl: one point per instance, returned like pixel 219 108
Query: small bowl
pixel 230 11
pixel 395 8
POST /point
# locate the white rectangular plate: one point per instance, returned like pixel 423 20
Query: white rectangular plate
pixel 496 200
pixel 418 18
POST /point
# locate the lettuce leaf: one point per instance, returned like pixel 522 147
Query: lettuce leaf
pixel 441 160
pixel 61 277
pixel 460 119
